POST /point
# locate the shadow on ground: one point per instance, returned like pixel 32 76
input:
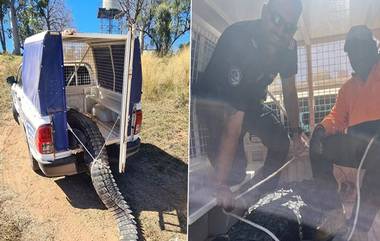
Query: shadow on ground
pixel 154 181
pixel 80 192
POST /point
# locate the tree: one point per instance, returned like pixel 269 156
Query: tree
pixel 183 46
pixel 181 21
pixel 34 16
pixel 159 31
pixel 54 14
pixel 25 21
pixel 28 19
pixel 15 32
pixel 3 13
pixel 163 21
pixel 166 22
pixel 132 11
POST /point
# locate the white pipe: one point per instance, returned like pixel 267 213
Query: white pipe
pixel 266 179
pixel 358 188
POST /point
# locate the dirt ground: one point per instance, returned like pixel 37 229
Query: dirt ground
pixel 33 207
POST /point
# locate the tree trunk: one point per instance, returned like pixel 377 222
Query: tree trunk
pixel 15 33
pixel 141 39
pixel 47 18
pixel 2 36
pixel 48 25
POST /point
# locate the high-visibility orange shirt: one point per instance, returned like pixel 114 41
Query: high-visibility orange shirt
pixel 357 101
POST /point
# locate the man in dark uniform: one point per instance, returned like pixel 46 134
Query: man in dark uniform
pixel 247 58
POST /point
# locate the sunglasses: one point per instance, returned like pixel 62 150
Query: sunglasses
pixel 278 20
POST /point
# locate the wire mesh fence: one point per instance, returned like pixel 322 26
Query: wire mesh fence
pixel 110 66
pixel 202 46
pixel 81 77
pixel 330 68
pixel 78 55
pixel 103 63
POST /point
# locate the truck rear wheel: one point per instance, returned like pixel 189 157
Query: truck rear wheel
pixel 15 114
pixel 101 175
pixel 32 161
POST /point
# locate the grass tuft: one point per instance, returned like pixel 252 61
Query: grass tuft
pixel 8 66
pixel 167 77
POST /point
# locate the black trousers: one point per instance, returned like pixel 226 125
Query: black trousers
pixel 347 150
pixel 264 124
pixel 259 121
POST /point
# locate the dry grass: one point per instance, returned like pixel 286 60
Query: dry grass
pixel 166 126
pixel 166 77
pixel 165 102
pixel 8 66
pixel 10 227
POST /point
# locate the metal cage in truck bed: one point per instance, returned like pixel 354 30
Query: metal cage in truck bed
pixel 95 66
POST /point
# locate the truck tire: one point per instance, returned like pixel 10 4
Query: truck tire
pixel 15 114
pixel 101 175
pixel 32 161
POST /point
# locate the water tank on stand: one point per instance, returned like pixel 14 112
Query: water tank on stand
pixel 111 4
pixel 108 15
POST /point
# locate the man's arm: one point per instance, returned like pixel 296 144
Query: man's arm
pixel 228 145
pixel 291 105
pixel 337 119
pixel 291 101
pixel 226 156
pixel 288 70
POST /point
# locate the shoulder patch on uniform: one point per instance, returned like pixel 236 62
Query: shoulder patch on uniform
pixel 254 43
pixel 234 76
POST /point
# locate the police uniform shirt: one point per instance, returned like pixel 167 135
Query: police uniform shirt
pixel 238 72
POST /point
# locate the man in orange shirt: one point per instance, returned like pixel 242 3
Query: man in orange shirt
pixel 343 135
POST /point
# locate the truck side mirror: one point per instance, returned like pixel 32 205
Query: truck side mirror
pixel 11 80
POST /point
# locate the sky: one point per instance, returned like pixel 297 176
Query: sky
pixel 85 19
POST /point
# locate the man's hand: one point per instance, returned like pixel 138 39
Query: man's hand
pixel 225 198
pixel 316 146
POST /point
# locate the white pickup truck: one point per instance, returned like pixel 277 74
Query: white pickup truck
pixel 74 94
